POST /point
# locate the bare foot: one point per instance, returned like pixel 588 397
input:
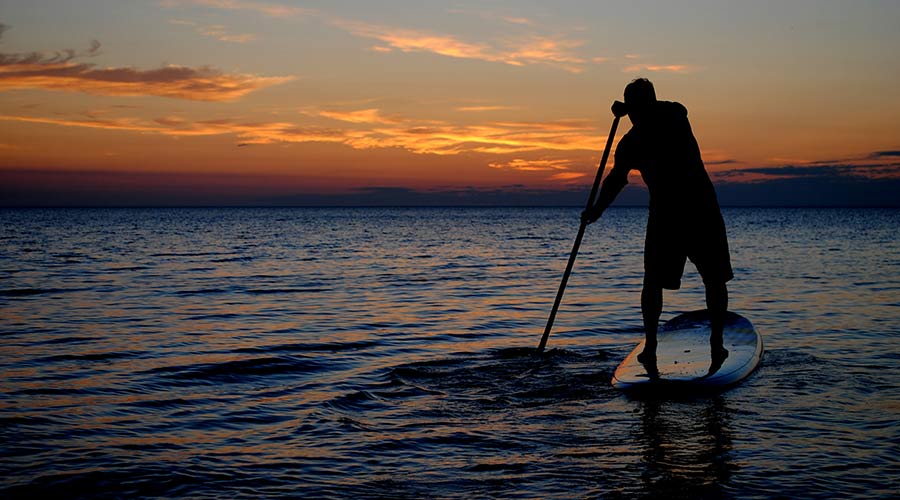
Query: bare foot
pixel 718 354
pixel 648 355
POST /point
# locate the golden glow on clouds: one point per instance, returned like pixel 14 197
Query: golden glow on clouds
pixel 532 165
pixel 484 108
pixel 673 68
pixel 419 137
pixel 566 176
pixel 472 95
pixel 59 72
pixel 361 116
pixel 516 52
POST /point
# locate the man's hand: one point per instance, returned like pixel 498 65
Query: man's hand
pixel 619 109
pixel 590 215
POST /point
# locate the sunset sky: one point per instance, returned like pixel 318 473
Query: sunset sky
pixel 199 102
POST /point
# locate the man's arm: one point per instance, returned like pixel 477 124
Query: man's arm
pixel 611 187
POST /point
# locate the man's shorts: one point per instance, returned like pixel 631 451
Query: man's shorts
pixel 671 241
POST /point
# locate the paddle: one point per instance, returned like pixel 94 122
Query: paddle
pixel 618 111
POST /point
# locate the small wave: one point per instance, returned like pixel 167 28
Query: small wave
pixel 26 292
pixel 169 403
pixel 101 356
pixel 266 291
pixel 129 268
pixel 221 316
pixel 311 347
pixel 7 422
pixel 68 340
pixel 240 370
pixel 353 401
pixel 185 254
pixel 499 467
pixel 202 291
pixel 243 258
pixel 52 391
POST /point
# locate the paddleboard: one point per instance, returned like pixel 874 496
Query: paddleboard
pixel 683 355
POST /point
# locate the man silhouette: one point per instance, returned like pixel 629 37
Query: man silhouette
pixel 684 222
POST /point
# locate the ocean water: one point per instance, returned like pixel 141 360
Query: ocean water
pixel 389 353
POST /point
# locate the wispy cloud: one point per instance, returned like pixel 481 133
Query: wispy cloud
pixel 372 115
pixel 371 130
pixel 494 16
pixel 417 41
pixel 216 31
pixel 872 166
pixel 532 165
pixel 518 20
pixel 669 68
pixel 546 50
pixel 246 132
pixel 266 8
pixel 561 167
pixel 60 71
pixel 556 51
pixel 477 109
pixel 566 176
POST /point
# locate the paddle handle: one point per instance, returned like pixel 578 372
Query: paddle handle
pixel 581 228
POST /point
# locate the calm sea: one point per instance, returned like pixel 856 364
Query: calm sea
pixel 316 353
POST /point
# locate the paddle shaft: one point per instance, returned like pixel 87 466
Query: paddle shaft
pixel 581 228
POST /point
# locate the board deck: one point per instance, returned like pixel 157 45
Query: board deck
pixel 683 355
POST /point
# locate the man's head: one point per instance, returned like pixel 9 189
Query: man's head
pixel 639 96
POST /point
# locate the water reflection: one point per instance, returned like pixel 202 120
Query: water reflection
pixel 685 447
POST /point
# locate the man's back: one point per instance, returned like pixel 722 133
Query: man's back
pixel 663 148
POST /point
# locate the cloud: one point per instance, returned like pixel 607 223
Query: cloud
pixel 842 171
pixel 58 71
pixel 266 8
pixel 493 16
pixel 538 49
pixel 216 31
pixel 883 154
pixel 361 116
pixel 246 132
pixel 416 41
pixel 566 176
pixel 670 68
pixel 560 166
pixel 518 20
pixel 477 109
pixel 535 49
pixel 372 131
pixel 532 165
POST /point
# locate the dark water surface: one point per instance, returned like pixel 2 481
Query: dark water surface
pixel 248 353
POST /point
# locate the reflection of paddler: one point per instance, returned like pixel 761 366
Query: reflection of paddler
pixel 685 221
pixel 685 448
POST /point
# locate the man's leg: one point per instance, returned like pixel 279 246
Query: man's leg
pixel 717 304
pixel 651 308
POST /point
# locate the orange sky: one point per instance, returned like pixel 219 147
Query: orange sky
pixel 325 97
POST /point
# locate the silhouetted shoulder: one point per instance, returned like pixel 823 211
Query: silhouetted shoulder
pixel 671 109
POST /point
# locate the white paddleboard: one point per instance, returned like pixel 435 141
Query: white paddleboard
pixel 683 355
